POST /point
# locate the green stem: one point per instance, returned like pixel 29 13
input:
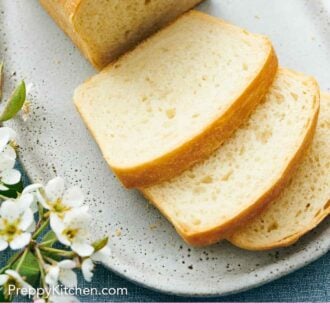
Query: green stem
pixel 59 252
pixel 50 260
pixel 42 265
pixel 46 243
pixel 22 259
pixel 41 229
pixel 18 255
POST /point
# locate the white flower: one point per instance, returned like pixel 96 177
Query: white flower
pixel 62 272
pixel 8 175
pixel 7 136
pixel 11 277
pixel 58 200
pixel 87 266
pixel 16 223
pixel 73 231
pixel 32 189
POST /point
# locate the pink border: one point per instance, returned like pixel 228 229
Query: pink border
pixel 165 316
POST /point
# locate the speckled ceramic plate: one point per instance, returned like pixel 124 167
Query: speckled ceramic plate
pixel 145 247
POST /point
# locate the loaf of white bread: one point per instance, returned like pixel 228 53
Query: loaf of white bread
pixel 194 118
pixel 175 98
pixel 104 29
pixel 248 170
pixel 302 205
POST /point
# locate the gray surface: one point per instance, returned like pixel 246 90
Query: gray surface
pixel 55 141
pixel 310 284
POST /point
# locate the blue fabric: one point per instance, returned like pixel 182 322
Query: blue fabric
pixel 310 284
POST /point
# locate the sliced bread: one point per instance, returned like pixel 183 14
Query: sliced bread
pixel 303 204
pixel 176 97
pixel 105 29
pixel 247 171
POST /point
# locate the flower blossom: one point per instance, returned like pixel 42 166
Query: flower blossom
pixel 16 223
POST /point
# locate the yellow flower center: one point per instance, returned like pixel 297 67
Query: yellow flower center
pixel 60 208
pixel 10 229
pixel 12 282
pixel 70 233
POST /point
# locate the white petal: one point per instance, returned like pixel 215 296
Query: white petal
pixel 4 139
pixel 6 135
pixel 3 188
pixel 32 188
pixel 58 227
pixel 83 249
pixel 6 163
pixel 7 131
pixel 87 268
pixel 9 210
pixel 10 152
pixel 102 255
pixel 20 241
pixel 32 227
pixel 67 264
pixel 3 244
pixel 10 177
pixel 26 220
pixel 69 278
pixel 52 275
pixel 3 279
pixel 14 274
pixel 73 197
pixel 54 189
pixel 24 202
pixel 56 223
pixel 42 200
pixel 78 216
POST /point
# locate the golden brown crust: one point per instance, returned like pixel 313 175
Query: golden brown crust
pixel 287 241
pixel 64 13
pixel 204 144
pixel 223 231
pixel 291 239
pixel 201 146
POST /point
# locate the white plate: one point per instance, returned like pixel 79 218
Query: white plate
pixel 55 142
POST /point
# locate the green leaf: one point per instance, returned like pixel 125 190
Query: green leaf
pixel 49 239
pixel 1 79
pixel 12 190
pixel 29 268
pixel 98 245
pixel 15 103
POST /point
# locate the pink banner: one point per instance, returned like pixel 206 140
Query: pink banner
pixel 166 316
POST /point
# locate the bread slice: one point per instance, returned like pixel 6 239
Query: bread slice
pixel 246 172
pixel 105 29
pixel 175 98
pixel 302 205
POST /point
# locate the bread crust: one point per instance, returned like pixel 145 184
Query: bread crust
pixel 285 242
pixel 215 234
pixel 64 13
pixel 206 142
pixel 199 147
pixel 291 239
